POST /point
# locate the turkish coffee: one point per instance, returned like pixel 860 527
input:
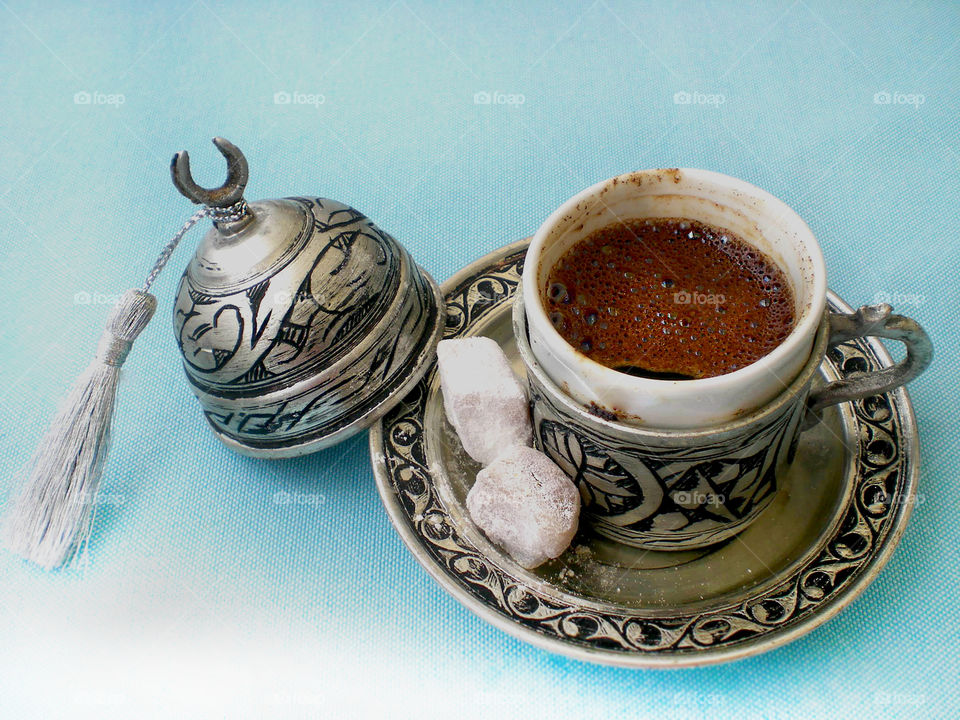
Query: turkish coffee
pixel 669 298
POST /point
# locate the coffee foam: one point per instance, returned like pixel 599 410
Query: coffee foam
pixel 669 297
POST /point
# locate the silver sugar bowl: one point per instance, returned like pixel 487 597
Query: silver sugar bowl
pixel 300 322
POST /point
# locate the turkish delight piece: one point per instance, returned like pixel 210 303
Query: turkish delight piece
pixel 526 504
pixel 483 399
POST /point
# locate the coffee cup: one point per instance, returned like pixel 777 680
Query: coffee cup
pixel 681 464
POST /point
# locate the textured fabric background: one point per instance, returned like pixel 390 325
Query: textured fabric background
pixel 205 592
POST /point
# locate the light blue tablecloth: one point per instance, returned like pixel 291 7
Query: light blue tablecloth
pixel 458 129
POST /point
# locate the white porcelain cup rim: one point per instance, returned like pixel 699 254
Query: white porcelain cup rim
pixel 581 376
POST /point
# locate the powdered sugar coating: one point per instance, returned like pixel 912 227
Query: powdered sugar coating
pixel 527 505
pixel 482 398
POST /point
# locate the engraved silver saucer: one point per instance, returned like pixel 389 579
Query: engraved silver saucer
pixel 831 529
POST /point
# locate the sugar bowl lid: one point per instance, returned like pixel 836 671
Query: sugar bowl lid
pixel 299 321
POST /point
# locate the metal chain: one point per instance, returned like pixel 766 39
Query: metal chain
pixel 231 213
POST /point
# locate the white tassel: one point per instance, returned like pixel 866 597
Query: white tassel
pixel 51 519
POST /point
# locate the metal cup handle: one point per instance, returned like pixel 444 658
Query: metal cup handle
pixel 876 321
